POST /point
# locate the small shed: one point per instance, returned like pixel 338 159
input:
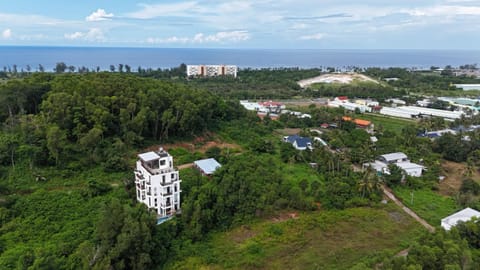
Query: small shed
pixel 207 166
pixel 461 216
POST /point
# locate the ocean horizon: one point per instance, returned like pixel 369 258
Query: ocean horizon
pixel 103 57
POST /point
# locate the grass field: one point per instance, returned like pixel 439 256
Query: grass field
pixel 427 204
pixel 314 240
pixel 388 123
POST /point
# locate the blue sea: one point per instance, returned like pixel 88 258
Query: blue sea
pixel 91 57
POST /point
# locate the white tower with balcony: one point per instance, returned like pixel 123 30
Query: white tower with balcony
pixel 158 183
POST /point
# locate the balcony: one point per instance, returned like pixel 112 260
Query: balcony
pixel 140 186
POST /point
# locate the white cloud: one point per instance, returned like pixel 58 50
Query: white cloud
pixel 298 26
pixel 28 19
pixel 220 37
pixel 94 34
pixel 157 10
pixel 99 15
pixel 445 10
pixel 73 36
pixel 317 36
pixel 7 33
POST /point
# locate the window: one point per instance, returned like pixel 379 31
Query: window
pixel 162 162
pixel 173 176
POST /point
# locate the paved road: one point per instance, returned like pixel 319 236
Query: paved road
pixel 407 210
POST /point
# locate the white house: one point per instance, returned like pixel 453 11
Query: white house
pixel 464 215
pixel 393 158
pixel 412 169
pixel 207 166
pixel 399 159
pixel 158 183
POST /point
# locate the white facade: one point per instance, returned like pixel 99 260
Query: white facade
pixel 349 105
pixel 399 159
pixel 158 183
pixel 414 111
pixel 211 70
pixel 464 215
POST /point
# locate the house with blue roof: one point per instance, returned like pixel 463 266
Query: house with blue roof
pixel 300 143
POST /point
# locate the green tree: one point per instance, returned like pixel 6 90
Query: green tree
pixel 56 142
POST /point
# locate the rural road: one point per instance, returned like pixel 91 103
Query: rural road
pixel 407 210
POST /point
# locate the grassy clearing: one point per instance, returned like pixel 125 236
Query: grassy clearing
pixel 388 123
pixel 315 240
pixel 427 204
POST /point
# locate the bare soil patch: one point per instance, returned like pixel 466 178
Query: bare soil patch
pixel 343 78
pixel 199 144
pixel 242 234
pixel 454 175
pixel 288 131
pixel 284 216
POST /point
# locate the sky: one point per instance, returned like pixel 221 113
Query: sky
pixel 268 24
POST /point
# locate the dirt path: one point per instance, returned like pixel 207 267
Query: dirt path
pixel 185 166
pixel 407 210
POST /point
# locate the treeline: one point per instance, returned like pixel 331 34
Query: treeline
pixel 53 119
pixel 458 248
pixel 419 81
pixel 257 83
pixel 355 90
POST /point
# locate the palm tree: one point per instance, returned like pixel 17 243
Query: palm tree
pixel 370 182
pixel 470 167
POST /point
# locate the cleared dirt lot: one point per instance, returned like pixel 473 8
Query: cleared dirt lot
pixel 454 174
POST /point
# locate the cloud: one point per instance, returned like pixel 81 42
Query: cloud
pixel 99 15
pixel 317 36
pixel 220 37
pixel 445 10
pixel 73 36
pixel 7 33
pixel 329 16
pixel 157 10
pixel 94 34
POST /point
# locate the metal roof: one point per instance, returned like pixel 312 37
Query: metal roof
pixel 208 166
pixel 408 165
pixel 464 215
pixel 394 156
pixel 149 156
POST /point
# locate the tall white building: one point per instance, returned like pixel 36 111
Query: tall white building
pixel 158 183
pixel 211 70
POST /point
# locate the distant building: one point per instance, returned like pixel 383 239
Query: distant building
pixel 461 216
pixel 396 101
pixel 468 87
pixel 158 183
pixel 211 70
pixel 342 102
pixel 415 112
pixel 207 166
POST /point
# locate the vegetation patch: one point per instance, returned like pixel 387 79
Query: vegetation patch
pixel 427 204
pixel 316 240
